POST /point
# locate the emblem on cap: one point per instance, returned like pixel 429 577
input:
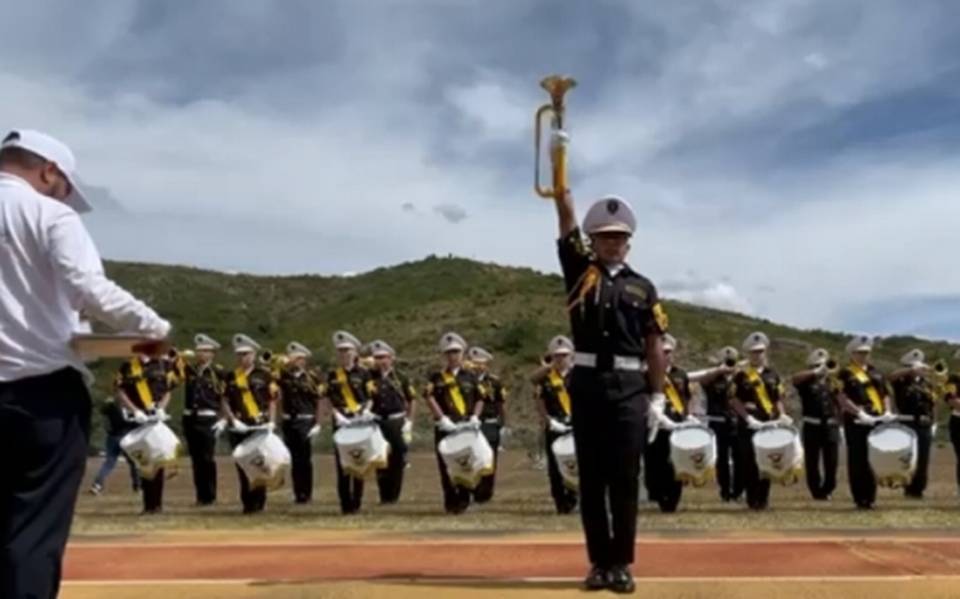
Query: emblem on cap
pixel 613 206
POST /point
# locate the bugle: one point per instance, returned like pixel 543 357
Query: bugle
pixel 557 86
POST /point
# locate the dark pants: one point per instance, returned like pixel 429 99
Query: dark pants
pixel 152 489
pixel 390 479
pixel 456 499
pixel 659 475
pixel 609 427
pixel 301 456
pixel 863 486
pixel 728 456
pixel 757 487
pixel 955 439
pixel 113 453
pixel 484 491
pixel 202 445
pixel 820 454
pixel 919 483
pixel 349 489
pixel 44 432
pixel 253 500
pixel 564 498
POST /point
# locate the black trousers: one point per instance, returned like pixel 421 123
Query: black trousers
pixel 484 491
pixel 863 486
pixel 44 433
pixel 349 489
pixel 390 479
pixel 152 490
pixel 564 498
pixel 202 445
pixel 253 500
pixel 609 428
pixel 955 440
pixel 301 456
pixel 728 457
pixel 659 476
pixel 821 446
pixel 924 439
pixel 456 499
pixel 756 487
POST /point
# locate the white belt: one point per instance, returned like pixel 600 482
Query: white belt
pixel 716 418
pixel 491 421
pixel 815 420
pixel 397 416
pixel 299 417
pixel 210 413
pixel 619 362
pixel 955 414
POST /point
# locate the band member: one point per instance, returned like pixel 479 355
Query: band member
pixel 952 397
pixel 143 387
pixel 758 398
pixel 617 323
pixel 300 400
pixel 865 403
pixel 818 390
pixel 203 390
pixel 718 387
pixel 552 391
pixel 494 416
pixel 250 400
pixel 346 389
pixel 393 403
pixel 913 392
pixel 659 476
pixel 453 395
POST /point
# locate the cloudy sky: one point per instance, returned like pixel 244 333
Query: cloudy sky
pixel 791 159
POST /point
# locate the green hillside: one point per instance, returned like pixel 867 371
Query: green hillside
pixel 510 311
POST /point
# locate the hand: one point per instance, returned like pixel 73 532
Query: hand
pixel 446 425
pixel 239 427
pixel 556 426
pixel 821 369
pixel 658 404
pixel 753 424
pixel 691 419
pixel 340 419
pixel 161 415
pixel 407 430
pixel 865 419
pixel 559 138
pixel 219 426
pixel 314 431
pixel 270 426
pixel 785 419
pixel 474 422
pixel 140 417
pixel 666 423
pixel 888 417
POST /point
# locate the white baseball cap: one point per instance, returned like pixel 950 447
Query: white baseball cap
pixel 55 151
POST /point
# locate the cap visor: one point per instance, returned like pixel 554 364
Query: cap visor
pixel 610 229
pixel 77 198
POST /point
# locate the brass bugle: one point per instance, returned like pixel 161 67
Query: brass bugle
pixel 557 86
pixel 832 365
pixel 940 368
pixel 730 362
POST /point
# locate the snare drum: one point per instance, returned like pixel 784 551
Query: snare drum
pixel 779 453
pixel 892 451
pixel 264 459
pixel 693 452
pixel 151 447
pixel 362 449
pixel 467 456
pixel 565 451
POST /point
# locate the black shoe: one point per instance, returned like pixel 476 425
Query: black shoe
pixel 865 505
pixel 597 580
pixel 621 581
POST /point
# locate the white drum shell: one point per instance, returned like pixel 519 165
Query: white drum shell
pixel 362 449
pixel 779 453
pixel 565 451
pixel 468 457
pixel 151 446
pixel 892 451
pixel 264 459
pixel 693 452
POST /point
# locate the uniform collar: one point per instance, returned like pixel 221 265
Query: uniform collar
pixel 6 177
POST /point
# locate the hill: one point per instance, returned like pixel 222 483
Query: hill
pixel 511 311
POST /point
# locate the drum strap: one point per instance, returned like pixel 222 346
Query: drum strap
pixel 761 389
pixel 348 397
pixel 673 395
pixel 249 403
pixel 872 394
pixel 143 387
pixel 556 381
pixel 455 396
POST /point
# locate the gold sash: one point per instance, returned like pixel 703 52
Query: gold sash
pixel 556 381
pixel 754 378
pixel 249 402
pixel 451 382
pixel 670 390
pixel 348 397
pixel 872 394
pixel 143 387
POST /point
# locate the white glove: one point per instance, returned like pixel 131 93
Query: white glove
pixel 367 416
pixel 864 418
pixel 888 417
pixel 161 415
pixel 821 369
pixel 556 426
pixel 691 419
pixel 558 138
pixel 785 419
pixel 446 425
pixel 140 417
pixel 665 423
pixel 753 424
pixel 219 426
pixel 314 431
pixel 239 427
pixel 407 430
pixel 340 419
pixel 270 427
pixel 474 423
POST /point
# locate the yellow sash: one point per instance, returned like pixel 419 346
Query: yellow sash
pixel 670 390
pixel 872 394
pixel 754 377
pixel 249 402
pixel 143 387
pixel 556 381
pixel 451 382
pixel 348 397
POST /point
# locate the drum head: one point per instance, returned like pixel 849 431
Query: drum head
pixel 691 438
pixel 351 435
pixel 458 442
pixel 774 438
pixel 891 438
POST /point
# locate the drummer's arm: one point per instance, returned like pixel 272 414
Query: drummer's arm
pixel 541 405
pixel 226 412
pixel 164 401
pixel 708 375
pixel 432 403
pixel 803 376
pixel 846 405
pixel 738 407
pixel 125 401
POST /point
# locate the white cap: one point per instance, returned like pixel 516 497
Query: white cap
pixel 478 354
pixel 205 342
pixel 295 349
pixel 560 345
pixel 817 357
pixel 344 340
pixel 755 342
pixel 860 343
pixel 912 358
pixel 380 348
pixel 669 342
pixel 55 151
pixel 243 343
pixel 611 214
pixel 452 341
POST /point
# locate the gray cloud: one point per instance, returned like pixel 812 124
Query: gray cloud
pixel 451 212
